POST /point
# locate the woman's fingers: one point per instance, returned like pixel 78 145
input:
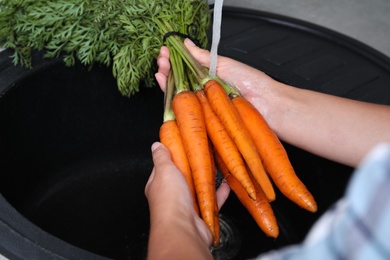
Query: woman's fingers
pixel 165 175
pixel 229 70
pixel 163 67
pixel 223 192
pixel 161 80
pixel 202 55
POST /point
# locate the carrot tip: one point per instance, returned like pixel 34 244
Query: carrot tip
pixel 312 208
pixel 271 197
pixel 216 243
pixel 252 195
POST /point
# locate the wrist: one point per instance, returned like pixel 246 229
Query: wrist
pixel 175 234
pixel 270 97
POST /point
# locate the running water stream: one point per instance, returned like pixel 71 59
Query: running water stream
pixel 216 35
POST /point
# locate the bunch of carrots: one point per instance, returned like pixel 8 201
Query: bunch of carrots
pixel 207 126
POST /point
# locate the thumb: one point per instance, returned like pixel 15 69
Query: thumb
pixel 160 154
pixel 201 55
pixel 161 158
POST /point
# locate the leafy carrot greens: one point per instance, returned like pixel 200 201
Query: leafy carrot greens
pixel 124 34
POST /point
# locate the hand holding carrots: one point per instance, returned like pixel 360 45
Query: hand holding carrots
pixel 251 82
pixel 170 200
pixel 219 128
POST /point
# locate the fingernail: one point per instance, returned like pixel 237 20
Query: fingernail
pixel 189 42
pixel 155 146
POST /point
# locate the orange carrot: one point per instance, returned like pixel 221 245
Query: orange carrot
pixel 227 113
pixel 190 120
pixel 225 145
pixel 217 227
pixel 171 138
pixel 260 209
pixel 274 156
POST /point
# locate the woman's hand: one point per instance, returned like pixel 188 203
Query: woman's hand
pixel 253 84
pixel 174 222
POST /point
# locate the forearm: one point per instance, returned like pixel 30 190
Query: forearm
pixel 335 128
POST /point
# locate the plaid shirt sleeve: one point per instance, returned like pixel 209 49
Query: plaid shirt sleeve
pixel 356 227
